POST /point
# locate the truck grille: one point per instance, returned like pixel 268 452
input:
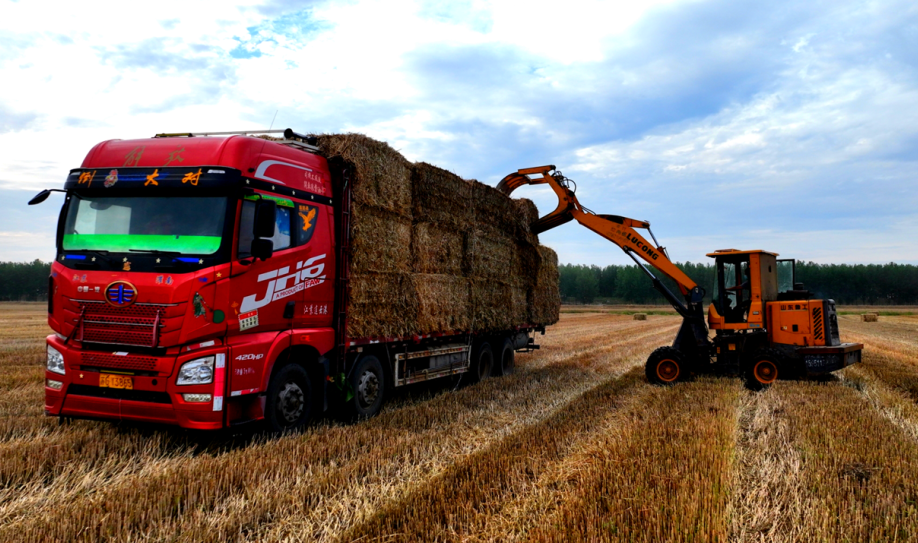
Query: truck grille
pixel 112 361
pixel 136 325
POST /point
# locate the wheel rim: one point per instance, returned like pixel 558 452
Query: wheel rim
pixel 668 370
pixel 290 403
pixel 367 389
pixel 765 372
pixel 484 366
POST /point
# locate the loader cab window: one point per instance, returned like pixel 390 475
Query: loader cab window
pixel 733 291
pixel 786 275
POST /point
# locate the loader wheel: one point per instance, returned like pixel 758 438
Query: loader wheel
pixel 506 360
pixel 762 370
pixel 289 400
pixel 666 366
pixel 482 362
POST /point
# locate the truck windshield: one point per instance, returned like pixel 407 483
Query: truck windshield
pixel 186 225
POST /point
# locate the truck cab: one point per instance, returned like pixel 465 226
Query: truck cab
pixel 185 268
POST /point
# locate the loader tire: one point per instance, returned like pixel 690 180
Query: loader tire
pixel 763 368
pixel 666 366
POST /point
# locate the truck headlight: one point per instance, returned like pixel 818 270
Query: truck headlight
pixel 199 371
pixel 55 361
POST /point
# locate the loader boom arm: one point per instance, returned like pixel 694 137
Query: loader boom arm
pixel 621 231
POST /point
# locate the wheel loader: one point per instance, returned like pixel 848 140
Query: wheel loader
pixel 766 325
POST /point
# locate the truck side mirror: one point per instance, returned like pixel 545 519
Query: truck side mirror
pixel 265 219
pixel 40 197
pixel 262 248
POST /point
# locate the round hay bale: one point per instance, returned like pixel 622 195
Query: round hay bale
pixel 639 316
pixel 870 317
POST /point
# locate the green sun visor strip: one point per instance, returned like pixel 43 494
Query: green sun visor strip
pixel 122 243
pixel 283 202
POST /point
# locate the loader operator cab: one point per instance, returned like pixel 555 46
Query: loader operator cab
pixel 744 281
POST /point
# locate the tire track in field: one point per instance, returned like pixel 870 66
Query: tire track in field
pixel 445 507
pixel 181 488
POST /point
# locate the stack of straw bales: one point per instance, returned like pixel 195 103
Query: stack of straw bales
pixel 432 252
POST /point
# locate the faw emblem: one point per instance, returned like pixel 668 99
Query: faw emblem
pixel 120 294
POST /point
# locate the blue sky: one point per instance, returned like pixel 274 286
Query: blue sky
pixel 785 126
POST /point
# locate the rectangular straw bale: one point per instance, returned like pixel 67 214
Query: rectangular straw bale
pixel 494 208
pixel 490 302
pixel 490 253
pixel 381 305
pixel 381 176
pixel 443 303
pixel 441 196
pixel 870 317
pixel 528 214
pixel 545 296
pixel 519 305
pixel 380 240
pixel 437 249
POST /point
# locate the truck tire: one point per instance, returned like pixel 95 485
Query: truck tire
pixel 763 368
pixel 505 360
pixel 289 401
pixel 482 362
pixel 666 366
pixel 369 384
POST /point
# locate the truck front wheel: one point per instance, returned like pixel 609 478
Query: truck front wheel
pixel 289 400
pixel 369 383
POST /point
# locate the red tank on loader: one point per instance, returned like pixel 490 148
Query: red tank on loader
pixel 200 281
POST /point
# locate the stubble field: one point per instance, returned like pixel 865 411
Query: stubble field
pixel 575 446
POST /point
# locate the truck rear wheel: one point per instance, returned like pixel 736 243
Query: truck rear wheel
pixel 505 360
pixel 369 384
pixel 289 401
pixel 482 362
pixel 762 369
pixel 666 366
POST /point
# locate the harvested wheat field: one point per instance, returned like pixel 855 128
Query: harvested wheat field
pixel 575 446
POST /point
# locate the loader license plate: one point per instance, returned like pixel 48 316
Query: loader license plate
pixel 116 381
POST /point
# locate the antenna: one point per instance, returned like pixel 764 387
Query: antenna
pixel 269 129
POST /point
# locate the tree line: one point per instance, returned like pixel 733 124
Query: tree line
pixel 24 281
pixel 857 284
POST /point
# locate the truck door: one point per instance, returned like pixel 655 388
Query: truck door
pixel 265 296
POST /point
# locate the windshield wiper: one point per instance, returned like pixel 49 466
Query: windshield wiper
pixel 155 251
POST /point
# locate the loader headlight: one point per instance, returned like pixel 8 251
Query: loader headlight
pixel 199 371
pixel 55 361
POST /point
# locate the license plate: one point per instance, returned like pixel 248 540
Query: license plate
pixel 116 381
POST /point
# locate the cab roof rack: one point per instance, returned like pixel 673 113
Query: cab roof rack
pixel 290 138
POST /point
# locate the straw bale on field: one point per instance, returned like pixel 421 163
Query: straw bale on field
pixel 441 196
pixel 870 317
pixel 437 249
pixel 381 176
pixel 639 317
pixel 545 296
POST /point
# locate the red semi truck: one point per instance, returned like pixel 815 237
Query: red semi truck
pixel 201 281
